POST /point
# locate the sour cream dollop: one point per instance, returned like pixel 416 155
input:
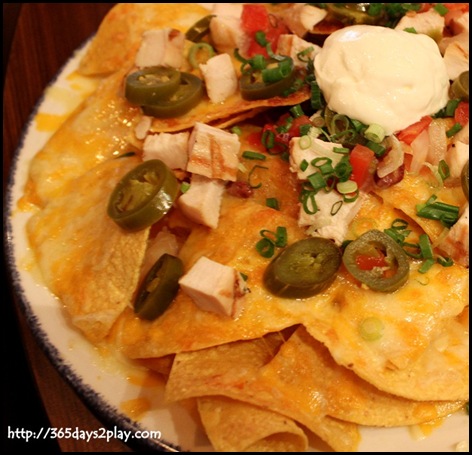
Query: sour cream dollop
pixel 379 75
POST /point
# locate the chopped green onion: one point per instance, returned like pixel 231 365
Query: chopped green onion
pixel 451 107
pixel 317 181
pixel 303 55
pixel 305 129
pixel 343 169
pixel 410 30
pixel 374 133
pixel 371 329
pixel 378 149
pixel 250 155
pixel 347 187
pixel 445 262
pixel 268 139
pixel 308 201
pixel 273 203
pixel 265 247
pixel 237 130
pixel 305 142
pixel 441 9
pixel 443 170
pixel 341 150
pixel 184 187
pixel 316 100
pixel 195 50
pixel 447 214
pixel 251 172
pixel 455 129
pixel 426 265
pixel 425 247
pixel 260 38
pixel 297 111
pixel 304 165
pixel 336 207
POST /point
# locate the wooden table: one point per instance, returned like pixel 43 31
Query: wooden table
pixel 42 37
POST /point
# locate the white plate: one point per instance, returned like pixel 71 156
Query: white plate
pixel 103 381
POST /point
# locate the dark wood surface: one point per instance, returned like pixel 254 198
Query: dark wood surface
pixel 38 40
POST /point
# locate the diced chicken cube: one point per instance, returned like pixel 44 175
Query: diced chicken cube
pixel 142 128
pixel 161 47
pixel 316 149
pixel 429 23
pixel 202 201
pixel 293 46
pixel 324 223
pixel 456 57
pixel 163 242
pixel 301 18
pixel 171 148
pixel 227 9
pixel 213 287
pixel 456 243
pixel 227 33
pixel 213 152
pixel 456 157
pixel 220 77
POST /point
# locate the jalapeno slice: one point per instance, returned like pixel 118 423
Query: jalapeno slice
pixel 465 179
pixel 159 288
pixel 255 85
pixel 394 269
pixel 149 85
pixel 354 13
pixel 187 96
pixel 143 196
pixel 303 269
pixel 460 86
pixel 198 30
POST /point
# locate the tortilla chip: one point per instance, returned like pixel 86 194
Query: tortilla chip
pixel 87 261
pixel 234 426
pixel 212 371
pixel 231 108
pixel 101 128
pixel 119 36
pixel 304 368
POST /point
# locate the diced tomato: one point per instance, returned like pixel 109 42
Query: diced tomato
pixel 461 114
pixel 255 18
pixel 410 133
pixel 297 123
pixel 361 158
pixel 365 262
pixel 254 139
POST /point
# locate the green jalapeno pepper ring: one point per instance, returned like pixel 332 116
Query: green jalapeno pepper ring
pixel 198 30
pixel 375 279
pixel 143 196
pixel 465 179
pixel 255 88
pixel 159 288
pixel 187 96
pixel 148 85
pixel 303 269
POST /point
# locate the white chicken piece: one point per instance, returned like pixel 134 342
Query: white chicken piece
pixel 301 18
pixel 201 203
pixel 227 9
pixel 456 56
pixel 292 45
pixel 161 47
pixel 456 243
pixel 460 24
pixel 316 149
pixel 429 23
pixel 456 157
pixel 213 152
pixel 326 225
pixel 214 287
pixel 227 33
pixel 143 126
pixel 164 242
pixel 220 77
pixel 171 148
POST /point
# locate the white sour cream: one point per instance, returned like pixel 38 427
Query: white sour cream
pixel 380 75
